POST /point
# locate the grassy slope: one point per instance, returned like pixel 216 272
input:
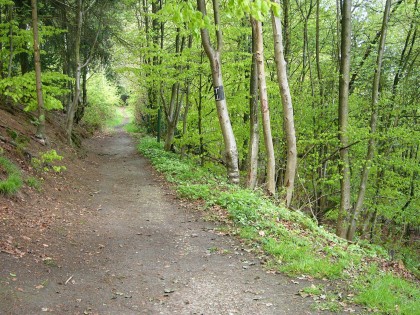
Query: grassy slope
pixel 294 243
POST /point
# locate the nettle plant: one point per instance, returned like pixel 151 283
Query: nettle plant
pixel 46 161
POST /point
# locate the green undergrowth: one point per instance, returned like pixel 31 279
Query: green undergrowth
pixel 133 128
pixel 115 119
pixel 386 293
pixel 296 244
pixel 13 181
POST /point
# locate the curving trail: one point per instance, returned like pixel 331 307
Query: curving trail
pixel 137 250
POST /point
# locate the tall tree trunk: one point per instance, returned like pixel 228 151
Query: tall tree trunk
pixel 265 112
pixel 343 114
pixel 185 116
pixel 373 119
pixel 368 51
pixel 288 119
pixel 187 101
pixel 200 111
pixel 76 95
pixel 254 137
pixel 339 9
pixel 1 49
pixel 321 199
pixel 231 151
pixel 172 115
pixel 40 132
pixel 286 31
pixel 11 48
pixel 172 112
pixel 80 112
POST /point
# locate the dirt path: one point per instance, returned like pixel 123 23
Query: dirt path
pixel 135 249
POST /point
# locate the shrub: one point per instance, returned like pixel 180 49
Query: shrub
pixel 46 162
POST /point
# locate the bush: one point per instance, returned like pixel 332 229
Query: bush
pixel 46 162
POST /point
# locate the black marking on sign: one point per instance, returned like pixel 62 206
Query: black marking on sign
pixel 219 93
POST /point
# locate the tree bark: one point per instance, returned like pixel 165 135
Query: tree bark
pixel 265 112
pixel 171 115
pixel 288 119
pixel 286 31
pixel 11 48
pixel 175 104
pixel 231 151
pixel 254 137
pixel 343 114
pixel 373 119
pixel 76 95
pixel 40 132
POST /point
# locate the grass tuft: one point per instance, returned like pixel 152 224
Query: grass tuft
pixel 388 294
pixel 13 182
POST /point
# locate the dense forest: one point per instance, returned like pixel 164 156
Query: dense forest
pixel 314 102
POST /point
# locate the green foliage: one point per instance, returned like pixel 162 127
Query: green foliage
pixel 34 183
pixel 194 191
pixel 103 97
pixel 388 294
pixel 13 181
pixel 295 243
pixel 132 127
pixel 22 89
pixel 46 162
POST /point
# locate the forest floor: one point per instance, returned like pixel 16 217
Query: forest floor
pixel 110 237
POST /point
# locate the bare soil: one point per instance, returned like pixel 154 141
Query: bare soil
pixel 109 237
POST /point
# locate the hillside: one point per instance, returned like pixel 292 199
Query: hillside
pixel 105 220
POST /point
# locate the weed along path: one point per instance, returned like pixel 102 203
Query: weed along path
pixel 132 248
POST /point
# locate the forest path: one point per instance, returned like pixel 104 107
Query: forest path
pixel 139 250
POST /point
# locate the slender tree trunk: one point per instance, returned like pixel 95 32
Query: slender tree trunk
pixel 172 114
pixel 200 111
pixel 231 151
pixel 80 112
pixel 321 199
pixel 1 49
pixel 40 132
pixel 368 51
pixel 11 48
pixel 76 95
pixel 373 119
pixel 22 13
pixel 286 31
pixel 343 114
pixel 254 137
pixel 185 117
pixel 265 112
pixel 288 119
pixel 339 5
pixel 187 101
